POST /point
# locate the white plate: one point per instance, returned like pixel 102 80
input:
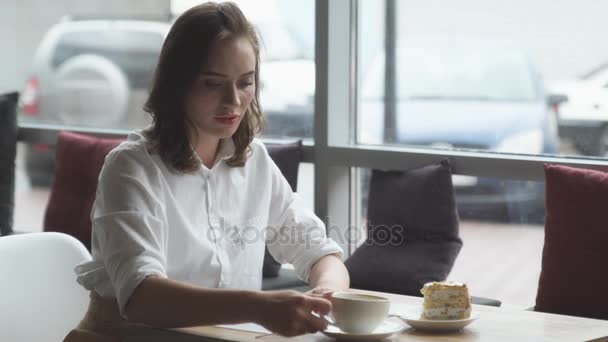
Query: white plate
pixel 386 329
pixel 412 318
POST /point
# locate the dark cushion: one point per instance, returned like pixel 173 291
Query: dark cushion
pixel 412 230
pixel 79 159
pixel 287 157
pixel 573 275
pixel 8 150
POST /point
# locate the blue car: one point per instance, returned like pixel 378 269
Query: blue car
pixel 469 93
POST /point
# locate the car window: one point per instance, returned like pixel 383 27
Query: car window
pixel 135 53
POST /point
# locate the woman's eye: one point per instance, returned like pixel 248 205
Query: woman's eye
pixel 246 84
pixel 212 84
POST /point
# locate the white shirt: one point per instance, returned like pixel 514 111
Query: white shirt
pixel 206 228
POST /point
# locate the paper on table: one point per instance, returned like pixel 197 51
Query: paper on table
pixel 246 327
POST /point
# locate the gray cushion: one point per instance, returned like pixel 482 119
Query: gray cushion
pixel 287 157
pixel 8 150
pixel 413 233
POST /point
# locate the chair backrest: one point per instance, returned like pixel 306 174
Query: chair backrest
pixel 39 297
pixel 287 157
pixel 8 150
pixel 78 161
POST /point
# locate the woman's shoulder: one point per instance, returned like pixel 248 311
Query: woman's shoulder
pixel 258 157
pixel 257 147
pixel 132 155
pixel 258 152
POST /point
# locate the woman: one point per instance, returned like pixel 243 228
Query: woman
pixel 184 209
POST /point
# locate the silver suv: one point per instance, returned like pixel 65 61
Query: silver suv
pixel 93 73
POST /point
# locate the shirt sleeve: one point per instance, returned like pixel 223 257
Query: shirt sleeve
pixel 128 231
pixel 295 234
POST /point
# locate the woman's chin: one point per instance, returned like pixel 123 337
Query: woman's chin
pixel 225 132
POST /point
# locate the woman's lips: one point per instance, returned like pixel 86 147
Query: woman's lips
pixel 227 119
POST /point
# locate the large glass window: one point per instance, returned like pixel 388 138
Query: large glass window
pixel 483 75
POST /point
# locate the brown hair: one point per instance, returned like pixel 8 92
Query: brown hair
pixel 184 52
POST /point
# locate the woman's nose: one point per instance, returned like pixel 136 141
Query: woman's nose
pixel 231 96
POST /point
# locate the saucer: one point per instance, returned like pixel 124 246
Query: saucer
pixel 384 330
pixel 412 318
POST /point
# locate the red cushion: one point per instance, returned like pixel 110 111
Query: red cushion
pixel 574 279
pixel 79 159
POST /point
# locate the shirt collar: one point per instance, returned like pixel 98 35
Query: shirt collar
pixel 226 151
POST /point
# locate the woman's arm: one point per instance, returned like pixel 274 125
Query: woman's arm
pixel 166 303
pixel 328 274
pixel 162 302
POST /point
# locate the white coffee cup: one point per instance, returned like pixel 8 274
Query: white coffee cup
pixel 358 313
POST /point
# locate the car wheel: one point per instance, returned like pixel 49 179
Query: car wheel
pixel 91 91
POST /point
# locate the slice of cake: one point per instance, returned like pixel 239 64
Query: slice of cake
pixel 446 300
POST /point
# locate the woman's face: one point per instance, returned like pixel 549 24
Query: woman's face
pixel 224 89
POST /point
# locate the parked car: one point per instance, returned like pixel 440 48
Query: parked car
pixel 470 93
pixel 584 117
pixel 96 73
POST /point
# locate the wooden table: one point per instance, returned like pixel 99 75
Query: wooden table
pixel 494 324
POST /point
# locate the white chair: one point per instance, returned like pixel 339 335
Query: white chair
pixel 39 297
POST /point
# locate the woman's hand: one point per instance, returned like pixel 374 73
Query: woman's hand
pixel 289 313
